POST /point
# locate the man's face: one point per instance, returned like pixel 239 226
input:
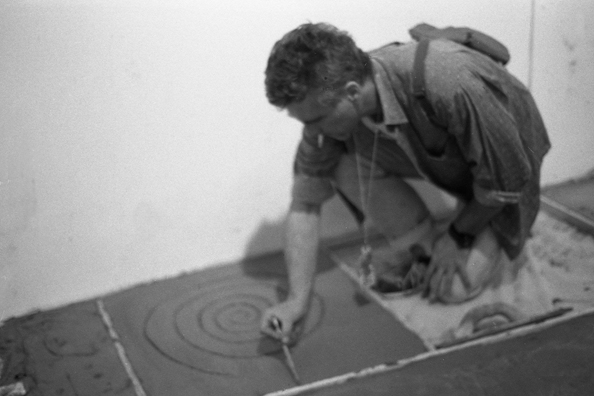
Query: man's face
pixel 337 121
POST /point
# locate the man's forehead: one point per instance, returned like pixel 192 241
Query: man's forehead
pixel 308 110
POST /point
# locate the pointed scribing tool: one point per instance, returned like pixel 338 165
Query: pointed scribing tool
pixel 276 324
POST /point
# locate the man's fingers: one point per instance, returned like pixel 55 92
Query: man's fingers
pixel 435 283
pixel 272 326
pixel 269 331
pixel 426 287
pixel 445 286
pixel 461 269
pixel 272 333
pixel 266 328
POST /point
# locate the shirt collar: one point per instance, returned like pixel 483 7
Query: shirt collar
pixel 391 108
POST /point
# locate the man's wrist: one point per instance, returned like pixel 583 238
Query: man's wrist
pixel 300 301
pixel 463 240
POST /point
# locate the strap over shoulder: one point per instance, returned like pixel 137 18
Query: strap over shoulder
pixel 471 38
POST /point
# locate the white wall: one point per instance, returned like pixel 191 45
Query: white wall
pixel 563 84
pixel 136 141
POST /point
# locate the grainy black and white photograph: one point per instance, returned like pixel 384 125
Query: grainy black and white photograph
pixel 296 197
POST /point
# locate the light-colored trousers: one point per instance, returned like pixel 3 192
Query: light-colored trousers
pixel 394 208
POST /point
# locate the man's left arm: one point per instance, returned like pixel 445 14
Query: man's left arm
pixel 474 217
pixel 492 138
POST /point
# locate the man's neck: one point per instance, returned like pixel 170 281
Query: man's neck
pixel 370 101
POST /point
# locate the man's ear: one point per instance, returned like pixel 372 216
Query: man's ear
pixel 353 90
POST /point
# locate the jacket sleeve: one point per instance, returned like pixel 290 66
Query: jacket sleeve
pixel 313 169
pixel 484 124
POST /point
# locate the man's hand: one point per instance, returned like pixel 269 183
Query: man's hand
pixel 301 254
pixel 289 314
pixel 447 261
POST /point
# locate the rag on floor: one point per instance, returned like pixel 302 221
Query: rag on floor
pixel 553 271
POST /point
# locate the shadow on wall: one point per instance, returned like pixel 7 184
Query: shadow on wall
pixel 338 221
pixel 269 238
pixel 270 235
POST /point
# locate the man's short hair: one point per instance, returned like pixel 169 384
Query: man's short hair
pixel 313 57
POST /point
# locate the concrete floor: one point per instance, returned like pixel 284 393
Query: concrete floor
pixel 198 334
pixel 122 344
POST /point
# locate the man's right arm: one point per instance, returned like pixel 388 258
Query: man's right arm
pixel 313 170
pixel 301 251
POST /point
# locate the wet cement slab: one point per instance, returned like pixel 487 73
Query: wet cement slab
pixel 558 360
pixel 199 334
pixel 66 352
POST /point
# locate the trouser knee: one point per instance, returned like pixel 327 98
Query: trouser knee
pixel 387 201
